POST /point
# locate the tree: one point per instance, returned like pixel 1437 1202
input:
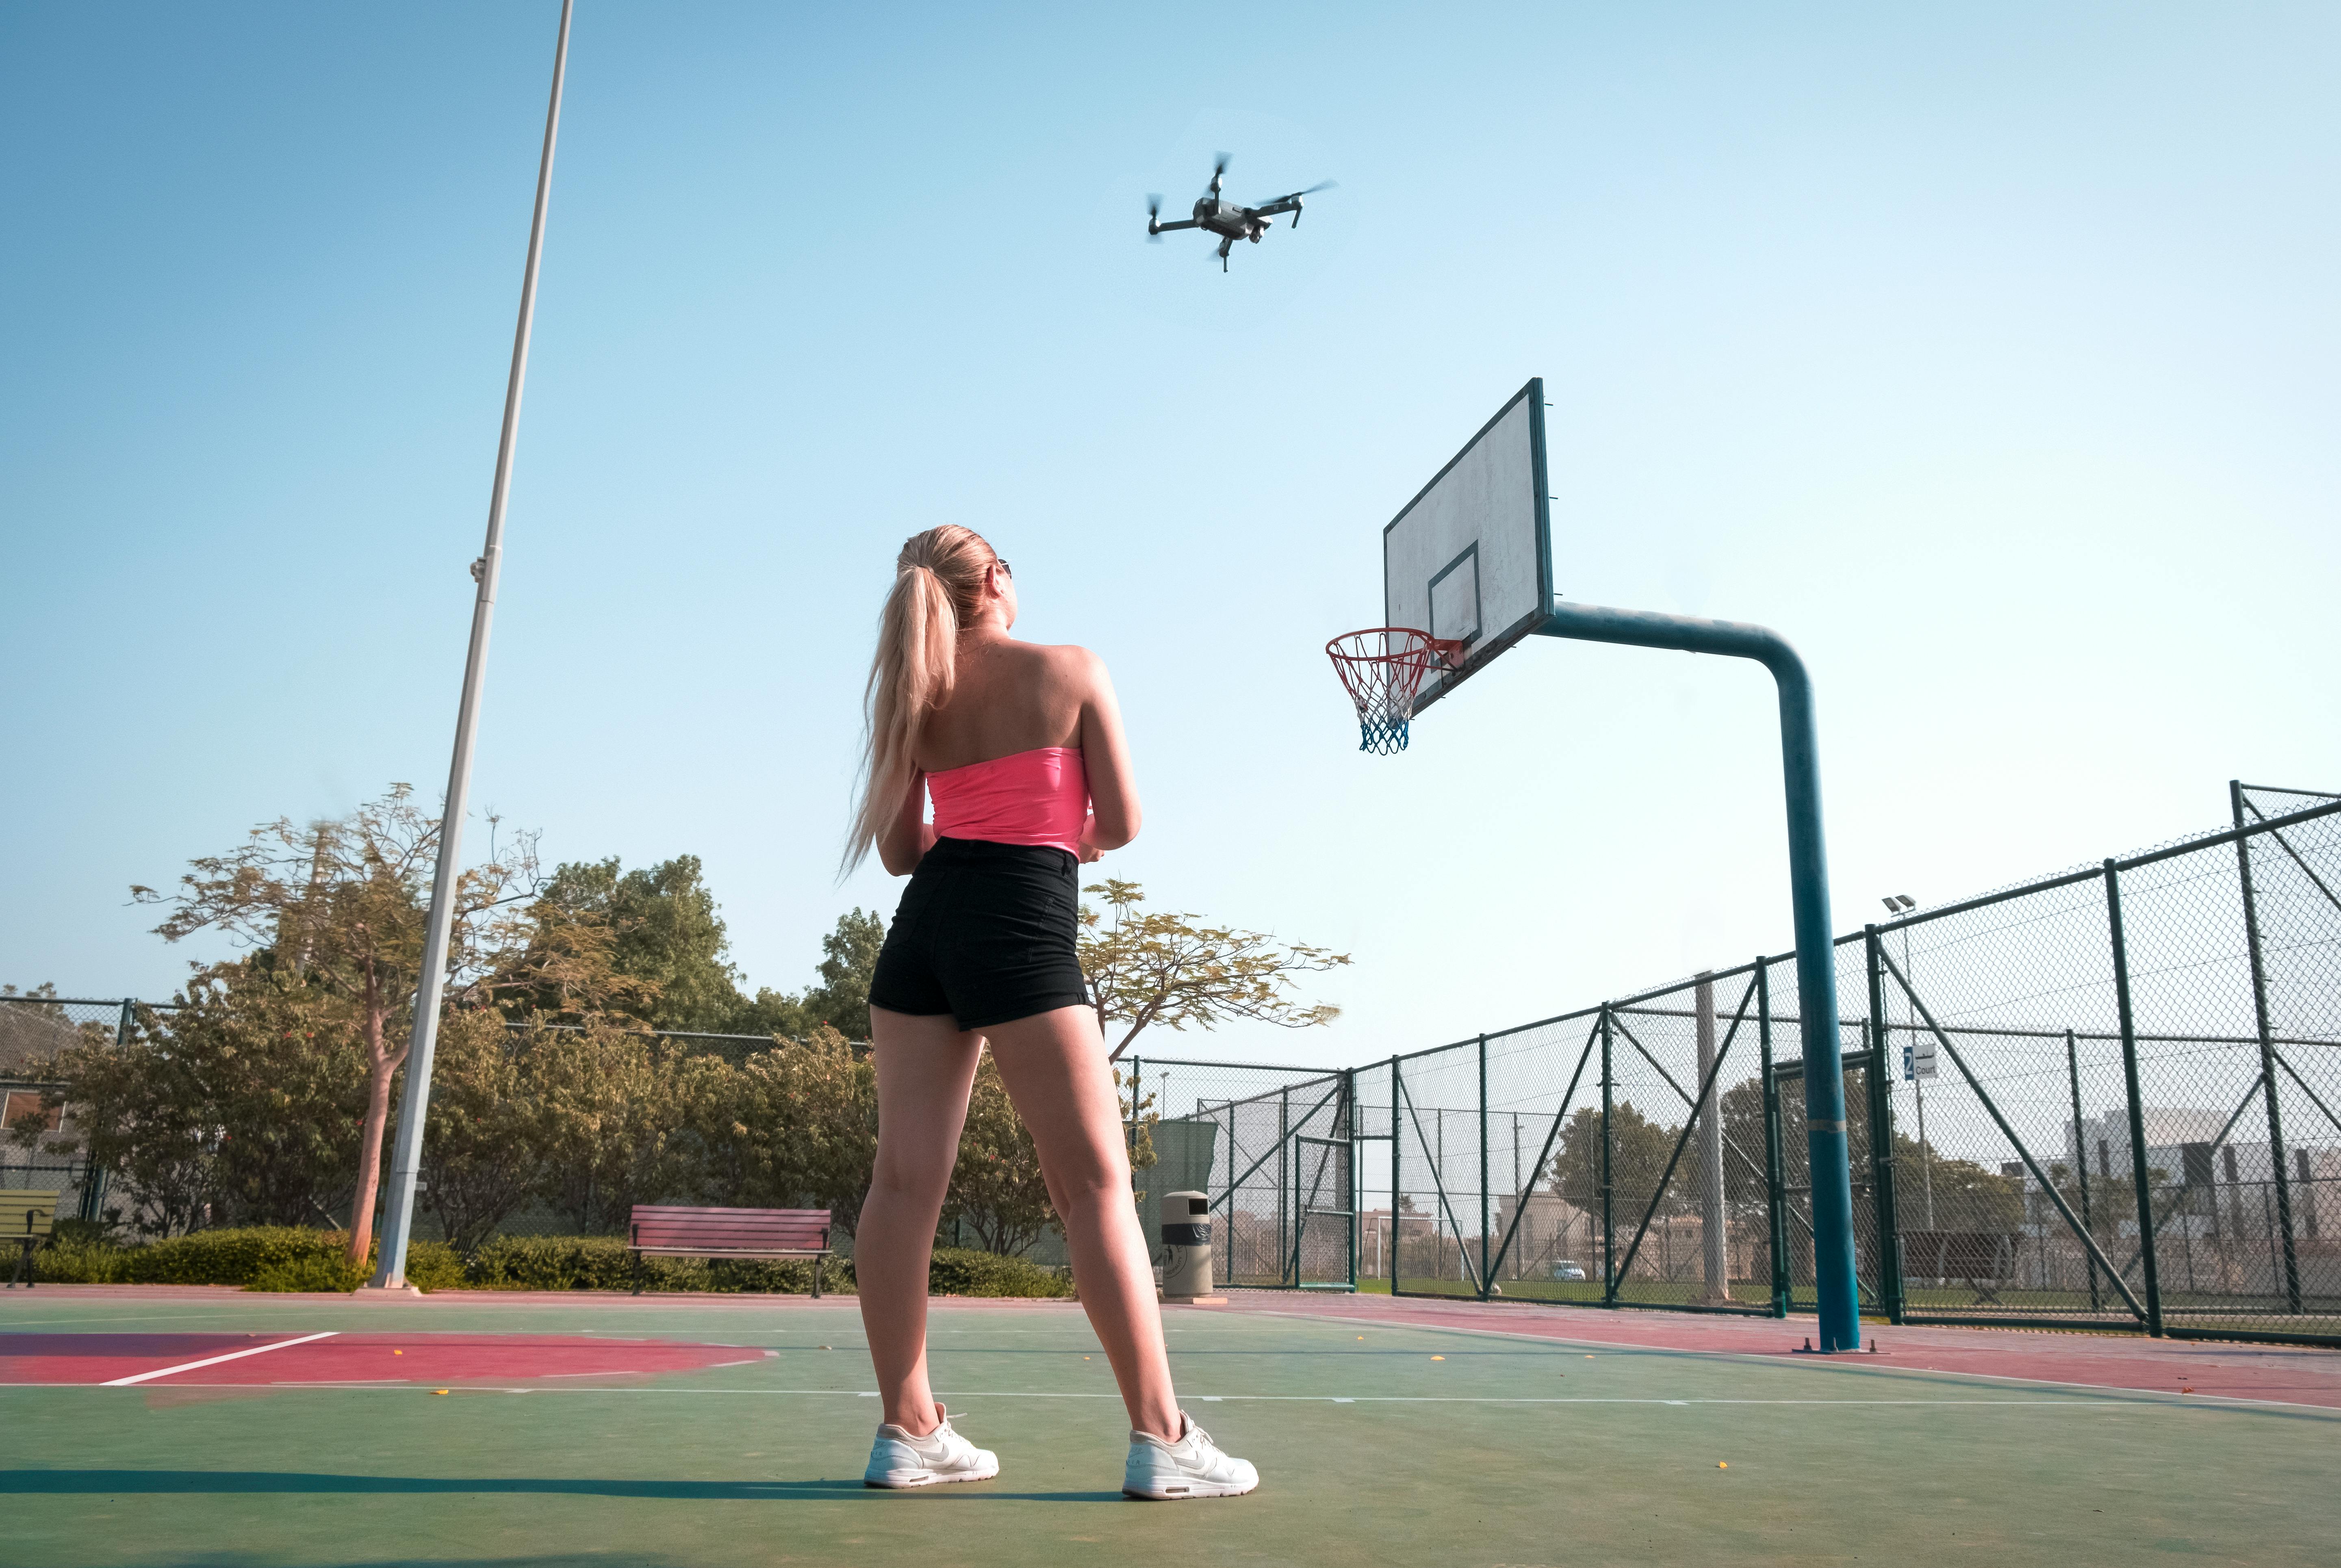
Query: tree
pixel 611 1113
pixel 141 1116
pixel 1638 1149
pixel 337 910
pixel 808 1119
pixel 842 999
pixel 483 1149
pixel 1966 1195
pixel 664 931
pixel 1146 969
pixel 849 957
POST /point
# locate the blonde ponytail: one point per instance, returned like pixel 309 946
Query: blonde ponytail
pixel 938 587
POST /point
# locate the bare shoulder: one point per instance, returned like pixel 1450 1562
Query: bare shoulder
pixel 1072 664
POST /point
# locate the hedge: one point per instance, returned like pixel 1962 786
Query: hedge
pixel 286 1259
pixel 269 1257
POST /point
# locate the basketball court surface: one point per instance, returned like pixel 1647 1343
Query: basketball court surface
pixel 151 1426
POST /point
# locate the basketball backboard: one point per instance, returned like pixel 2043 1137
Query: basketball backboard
pixel 1471 557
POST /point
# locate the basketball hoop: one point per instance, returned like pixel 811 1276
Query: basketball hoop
pixel 1383 668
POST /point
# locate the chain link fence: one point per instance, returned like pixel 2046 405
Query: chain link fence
pixel 2110 1098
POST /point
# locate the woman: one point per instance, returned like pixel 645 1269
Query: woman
pixel 1014 742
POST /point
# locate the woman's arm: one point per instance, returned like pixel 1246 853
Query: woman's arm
pixel 1105 753
pixel 908 836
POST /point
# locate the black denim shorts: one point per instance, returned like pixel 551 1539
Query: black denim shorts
pixel 985 934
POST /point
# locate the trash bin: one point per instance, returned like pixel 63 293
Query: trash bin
pixel 1187 1248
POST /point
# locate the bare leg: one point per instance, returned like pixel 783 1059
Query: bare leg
pixel 925 1068
pixel 1054 1065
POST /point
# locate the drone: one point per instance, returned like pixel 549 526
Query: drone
pixel 1225 219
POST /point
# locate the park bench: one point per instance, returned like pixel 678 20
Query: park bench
pixel 25 1216
pixel 671 1230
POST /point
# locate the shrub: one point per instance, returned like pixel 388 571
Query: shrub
pixel 433 1265
pixel 963 1271
pixel 286 1259
pixel 313 1271
pixel 603 1262
pixel 77 1260
pixel 234 1256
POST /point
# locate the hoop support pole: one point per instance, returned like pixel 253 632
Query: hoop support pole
pixel 1824 1119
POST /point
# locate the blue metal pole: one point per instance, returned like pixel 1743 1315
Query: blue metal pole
pixel 1825 1133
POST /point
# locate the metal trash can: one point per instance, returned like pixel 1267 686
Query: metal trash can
pixel 1187 1248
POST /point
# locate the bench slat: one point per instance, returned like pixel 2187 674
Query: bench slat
pixel 682 1230
pixel 27 1211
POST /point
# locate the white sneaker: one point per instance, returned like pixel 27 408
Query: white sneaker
pixel 1191 1467
pixel 898 1459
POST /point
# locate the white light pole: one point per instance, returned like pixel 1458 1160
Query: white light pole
pixel 406 1150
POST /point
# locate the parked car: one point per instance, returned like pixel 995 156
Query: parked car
pixel 1565 1269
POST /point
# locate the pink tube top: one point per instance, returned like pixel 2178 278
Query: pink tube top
pixel 1039 796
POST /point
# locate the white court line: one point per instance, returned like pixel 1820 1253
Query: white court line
pixel 215 1360
pixel 620 1372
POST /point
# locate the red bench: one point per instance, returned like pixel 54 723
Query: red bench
pixel 671 1230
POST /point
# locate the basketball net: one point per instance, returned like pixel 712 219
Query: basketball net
pixel 1383 669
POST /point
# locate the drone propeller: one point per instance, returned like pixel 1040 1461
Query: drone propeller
pixel 1153 218
pixel 1294 197
pixel 1218 169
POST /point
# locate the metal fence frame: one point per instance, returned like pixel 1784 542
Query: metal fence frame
pixel 2067 1248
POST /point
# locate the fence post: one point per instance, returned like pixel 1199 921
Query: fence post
pixel 1486 1285
pixel 2139 1177
pixel 1775 1200
pixel 1350 1171
pixel 2081 1159
pixel 1398 1184
pixel 1888 1249
pixel 93 1178
pixel 1609 1234
pixel 2267 1053
pixel 1284 1175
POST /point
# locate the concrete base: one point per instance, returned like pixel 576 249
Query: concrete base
pixel 387 1293
pixel 1194 1300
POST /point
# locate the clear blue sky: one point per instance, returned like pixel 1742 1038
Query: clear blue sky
pixel 1985 350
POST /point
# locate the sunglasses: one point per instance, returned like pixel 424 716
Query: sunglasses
pixel 1005 570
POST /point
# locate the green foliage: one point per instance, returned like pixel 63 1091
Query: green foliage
pixel 80 1260
pixel 850 958
pixel 842 999
pixel 963 1271
pixel 1638 1149
pixel 664 929
pixel 229 1257
pixel 311 1272
pixel 793 1128
pixel 1148 968
pixel 1968 1197
pixel 79 1233
pixel 603 1262
pixel 335 913
pixel 483 1151
pixel 286 1259
pixel 433 1265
